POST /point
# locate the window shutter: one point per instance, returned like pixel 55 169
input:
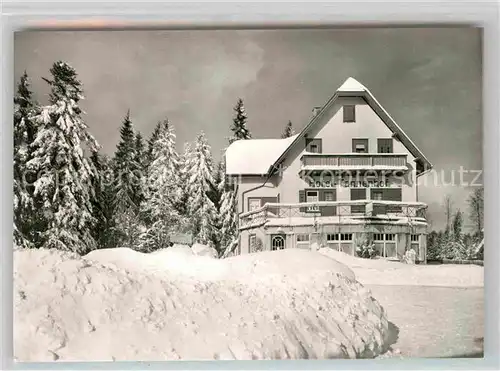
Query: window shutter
pixel 302 198
pixel 321 195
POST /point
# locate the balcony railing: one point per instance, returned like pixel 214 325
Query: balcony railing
pixel 354 160
pixel 336 212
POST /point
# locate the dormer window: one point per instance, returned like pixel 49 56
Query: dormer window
pixel 349 113
pixel 313 148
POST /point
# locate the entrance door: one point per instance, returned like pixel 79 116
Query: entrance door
pixel 277 242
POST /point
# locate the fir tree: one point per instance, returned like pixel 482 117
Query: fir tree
pixel 199 168
pixel 142 163
pixel 63 189
pixel 457 226
pixel 228 211
pixel 183 202
pixel 163 192
pixel 24 134
pixel 102 202
pixel 288 132
pixel 239 128
pixel 127 180
pixel 152 140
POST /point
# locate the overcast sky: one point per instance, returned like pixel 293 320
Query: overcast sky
pixel 429 80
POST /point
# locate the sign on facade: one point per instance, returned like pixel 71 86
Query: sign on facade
pixel 347 183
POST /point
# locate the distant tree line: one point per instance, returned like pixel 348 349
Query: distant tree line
pixel 452 242
pixel 70 196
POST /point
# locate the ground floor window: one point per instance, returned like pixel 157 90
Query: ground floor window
pixel 252 243
pixel 415 243
pixel 340 242
pixel 385 243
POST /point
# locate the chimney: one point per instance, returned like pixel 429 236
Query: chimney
pixel 315 111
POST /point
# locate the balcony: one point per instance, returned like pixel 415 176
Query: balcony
pixel 354 161
pixel 335 212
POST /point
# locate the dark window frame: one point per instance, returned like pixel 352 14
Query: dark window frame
pixel 381 146
pixel 349 113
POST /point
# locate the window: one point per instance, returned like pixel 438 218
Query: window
pixel 253 204
pixel 346 237
pixel 384 145
pixel 252 239
pixel 329 196
pixel 415 244
pixel 312 196
pixel 330 237
pixel 360 148
pixel 313 145
pixel 385 244
pixel 359 145
pixel 377 195
pixel 349 113
pixel 302 238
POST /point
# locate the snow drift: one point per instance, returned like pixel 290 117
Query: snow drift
pixel 119 304
pixel 387 273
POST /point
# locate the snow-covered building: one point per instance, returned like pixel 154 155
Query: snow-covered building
pixel 348 179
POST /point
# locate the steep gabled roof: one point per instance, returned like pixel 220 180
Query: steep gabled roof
pixel 262 156
pixel 353 88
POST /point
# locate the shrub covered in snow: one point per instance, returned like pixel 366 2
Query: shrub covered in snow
pixel 119 304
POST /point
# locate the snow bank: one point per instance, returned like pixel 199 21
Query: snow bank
pixel 384 272
pixel 123 305
pixel 203 250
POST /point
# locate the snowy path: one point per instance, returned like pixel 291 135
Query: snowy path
pixel 434 321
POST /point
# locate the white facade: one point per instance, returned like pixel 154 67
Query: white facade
pixel 348 176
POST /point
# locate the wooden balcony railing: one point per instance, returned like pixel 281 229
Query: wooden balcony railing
pixel 354 160
pixel 341 210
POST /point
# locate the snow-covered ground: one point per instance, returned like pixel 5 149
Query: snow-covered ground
pixel 383 272
pixel 438 310
pixel 123 305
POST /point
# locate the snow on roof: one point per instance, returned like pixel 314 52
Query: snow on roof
pixel 254 156
pixel 352 84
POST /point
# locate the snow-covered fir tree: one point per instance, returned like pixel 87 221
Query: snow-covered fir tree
pixel 142 163
pixel 239 127
pixel 127 177
pixel 183 203
pixel 228 212
pixel 63 190
pixel 24 134
pixel 163 192
pixel 152 140
pixel 288 132
pixel 102 201
pixel 201 209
